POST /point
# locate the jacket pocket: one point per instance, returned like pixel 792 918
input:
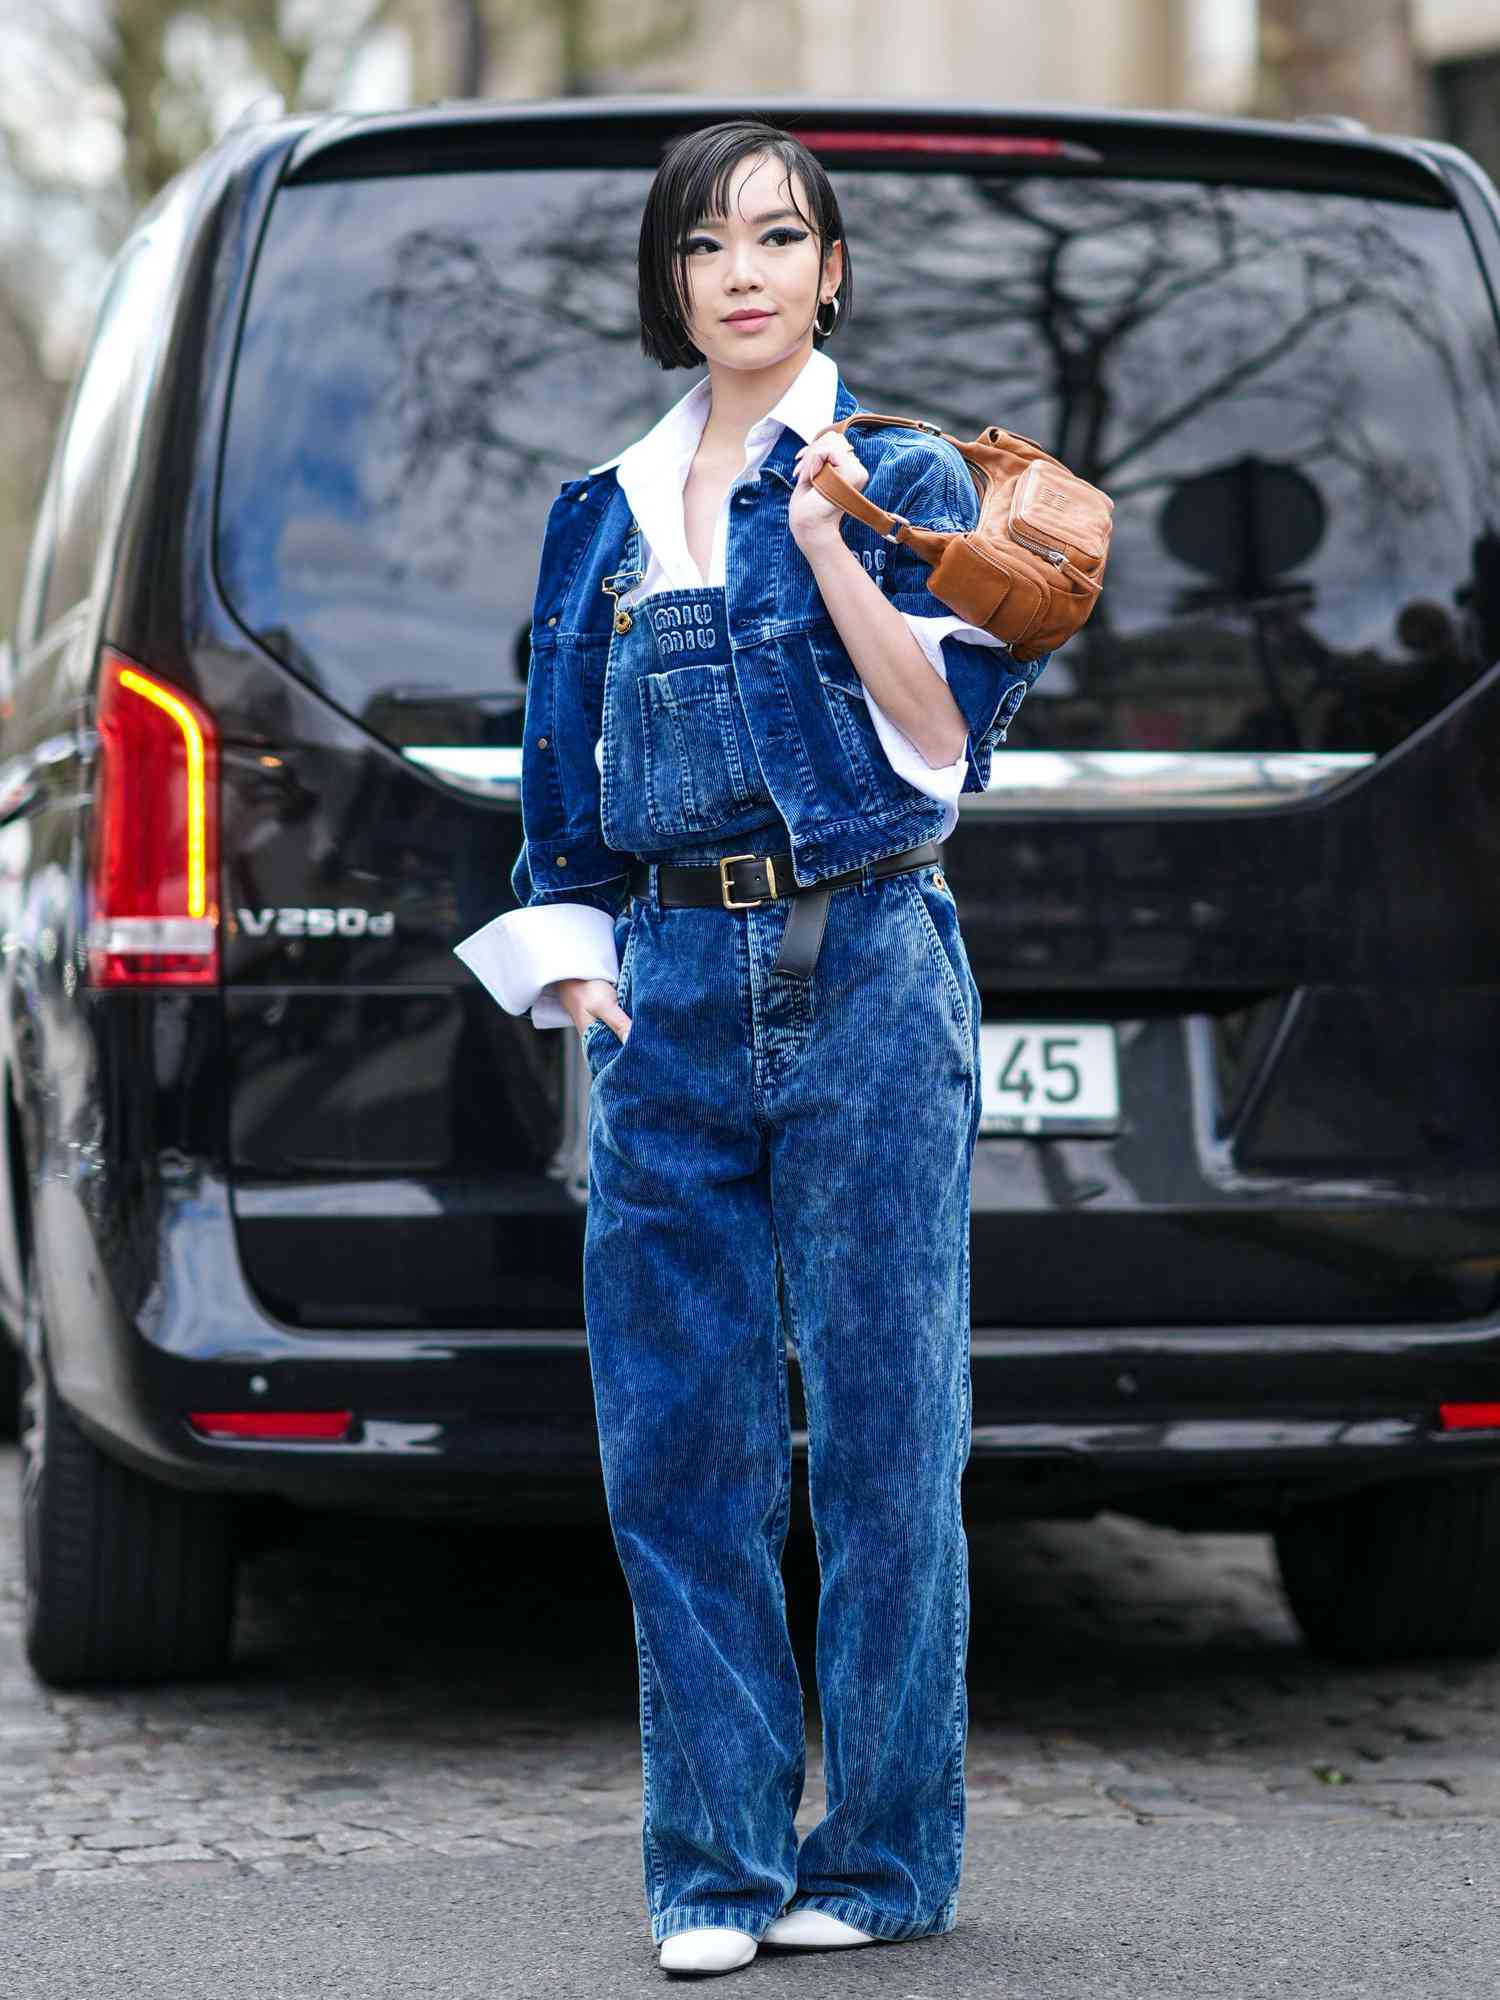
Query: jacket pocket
pixel 876 784
pixel 694 775
pixel 855 727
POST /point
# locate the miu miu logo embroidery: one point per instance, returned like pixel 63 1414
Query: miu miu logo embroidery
pixel 684 628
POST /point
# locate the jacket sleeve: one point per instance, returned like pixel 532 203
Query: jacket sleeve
pixel 942 781
pixel 928 482
pixel 570 886
pixel 563 857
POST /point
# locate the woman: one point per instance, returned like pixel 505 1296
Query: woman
pixel 747 725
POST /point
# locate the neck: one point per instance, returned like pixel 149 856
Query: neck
pixel 740 397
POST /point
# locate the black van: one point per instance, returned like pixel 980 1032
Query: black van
pixel 292 1212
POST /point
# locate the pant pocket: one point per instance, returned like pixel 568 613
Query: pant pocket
pixel 600 1042
pixel 937 917
pixel 598 1039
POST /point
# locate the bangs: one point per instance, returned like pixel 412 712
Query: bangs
pixel 705 197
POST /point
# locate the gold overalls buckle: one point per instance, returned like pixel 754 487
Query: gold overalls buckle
pixel 750 903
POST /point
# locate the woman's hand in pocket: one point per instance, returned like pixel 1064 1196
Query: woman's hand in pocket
pixel 588 1000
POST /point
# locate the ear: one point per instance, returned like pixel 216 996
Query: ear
pixel 833 264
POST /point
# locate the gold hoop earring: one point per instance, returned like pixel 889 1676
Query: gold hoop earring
pixel 818 327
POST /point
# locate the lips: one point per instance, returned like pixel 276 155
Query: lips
pixel 745 318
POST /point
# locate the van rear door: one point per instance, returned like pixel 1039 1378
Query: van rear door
pixel 1229 898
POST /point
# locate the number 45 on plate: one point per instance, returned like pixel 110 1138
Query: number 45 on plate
pixel 1049 1076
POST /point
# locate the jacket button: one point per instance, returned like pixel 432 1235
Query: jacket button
pixel 552 620
pixel 562 860
pixel 541 743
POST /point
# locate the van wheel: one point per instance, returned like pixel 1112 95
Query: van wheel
pixel 126 1580
pixel 1404 1571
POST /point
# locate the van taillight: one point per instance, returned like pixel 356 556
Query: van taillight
pixel 154 858
pixel 1469 1416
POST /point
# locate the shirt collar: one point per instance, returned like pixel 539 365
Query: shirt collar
pixel 806 407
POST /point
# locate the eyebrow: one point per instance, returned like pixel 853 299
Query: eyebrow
pixel 757 221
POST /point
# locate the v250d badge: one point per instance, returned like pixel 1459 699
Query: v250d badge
pixel 290 921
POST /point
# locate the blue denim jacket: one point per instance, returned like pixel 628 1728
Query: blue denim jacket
pixel 819 753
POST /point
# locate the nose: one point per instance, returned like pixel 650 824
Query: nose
pixel 742 272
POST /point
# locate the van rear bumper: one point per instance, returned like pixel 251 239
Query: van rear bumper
pixel 504 1425
pixel 502 1421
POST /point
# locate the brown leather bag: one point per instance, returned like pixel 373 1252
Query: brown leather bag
pixel 1031 569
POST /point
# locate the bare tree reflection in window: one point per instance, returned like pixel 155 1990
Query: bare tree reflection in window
pixel 441 448
pixel 470 340
pixel 468 419
pixel 1148 331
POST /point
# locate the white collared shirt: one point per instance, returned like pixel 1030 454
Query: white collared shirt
pixel 532 947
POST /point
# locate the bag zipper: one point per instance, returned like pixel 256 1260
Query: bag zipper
pixel 1057 557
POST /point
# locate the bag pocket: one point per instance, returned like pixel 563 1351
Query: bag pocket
pixel 1053 508
pixel 694 776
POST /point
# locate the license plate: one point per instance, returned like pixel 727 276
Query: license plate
pixel 1049 1076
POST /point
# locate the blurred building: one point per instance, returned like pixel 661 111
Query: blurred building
pixel 1461 42
pixel 1125 52
pixel 1171 54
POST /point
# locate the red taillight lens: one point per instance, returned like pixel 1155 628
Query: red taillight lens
pixel 154 912
pixel 327 1426
pixel 1469 1416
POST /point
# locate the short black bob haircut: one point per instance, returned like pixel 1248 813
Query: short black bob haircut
pixel 693 182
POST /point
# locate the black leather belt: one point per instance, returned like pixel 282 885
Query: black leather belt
pixel 744 881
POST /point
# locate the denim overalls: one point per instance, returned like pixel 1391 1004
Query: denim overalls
pixel 774 1154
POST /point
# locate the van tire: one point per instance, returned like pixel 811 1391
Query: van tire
pixel 126 1580
pixel 1405 1571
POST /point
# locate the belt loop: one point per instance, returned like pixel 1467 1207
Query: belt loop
pixel 653 889
pixel 866 877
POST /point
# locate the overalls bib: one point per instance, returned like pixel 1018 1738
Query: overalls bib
pixel 679 767
pixel 774 1156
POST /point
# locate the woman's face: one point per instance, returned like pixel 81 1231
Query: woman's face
pixel 755 278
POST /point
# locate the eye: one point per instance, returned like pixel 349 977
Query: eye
pixel 785 235
pixel 699 243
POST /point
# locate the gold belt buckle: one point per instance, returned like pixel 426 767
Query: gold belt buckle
pixel 751 902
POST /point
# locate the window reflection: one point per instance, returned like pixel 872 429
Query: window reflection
pixel 1290 396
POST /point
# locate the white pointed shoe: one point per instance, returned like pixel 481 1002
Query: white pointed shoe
pixel 715 1949
pixel 813 1930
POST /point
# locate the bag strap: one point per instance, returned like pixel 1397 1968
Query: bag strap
pixel 894 527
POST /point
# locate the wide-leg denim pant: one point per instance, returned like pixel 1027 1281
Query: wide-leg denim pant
pixel 764 1144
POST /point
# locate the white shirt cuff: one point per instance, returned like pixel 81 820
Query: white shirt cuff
pixel 518 954
pixel 942 781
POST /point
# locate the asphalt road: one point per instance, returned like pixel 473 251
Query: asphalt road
pixel 1052 1912
pixel 422 1777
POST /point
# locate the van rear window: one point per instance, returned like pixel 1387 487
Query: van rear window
pixel 1291 396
